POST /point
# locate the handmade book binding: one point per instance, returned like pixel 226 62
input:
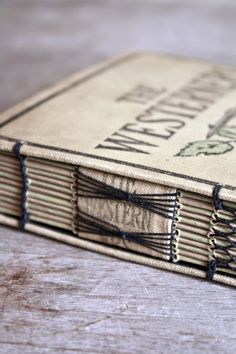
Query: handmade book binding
pixel 134 158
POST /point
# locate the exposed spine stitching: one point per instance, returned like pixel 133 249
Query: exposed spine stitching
pixel 164 205
pixel 226 260
pixel 22 160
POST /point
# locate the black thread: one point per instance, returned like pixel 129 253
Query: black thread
pixel 218 204
pixel 211 269
pixel 221 254
pixel 154 241
pixel 161 204
pixel 164 205
pixel 173 224
pixel 22 159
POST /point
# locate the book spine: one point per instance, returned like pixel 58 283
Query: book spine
pixel 125 213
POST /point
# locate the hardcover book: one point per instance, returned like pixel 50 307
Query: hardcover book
pixel 134 158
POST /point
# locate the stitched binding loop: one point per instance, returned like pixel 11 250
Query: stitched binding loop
pixel 211 269
pixel 218 204
pixel 22 160
pixel 164 205
pixel 222 236
pixel 161 204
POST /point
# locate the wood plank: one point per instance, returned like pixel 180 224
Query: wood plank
pixel 59 299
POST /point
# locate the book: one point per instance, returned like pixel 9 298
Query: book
pixel 133 158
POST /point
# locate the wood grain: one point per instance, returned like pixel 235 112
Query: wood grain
pixel 59 299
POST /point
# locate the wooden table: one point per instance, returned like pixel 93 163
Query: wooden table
pixel 59 299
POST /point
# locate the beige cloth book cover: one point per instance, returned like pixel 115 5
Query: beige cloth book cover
pixel 134 158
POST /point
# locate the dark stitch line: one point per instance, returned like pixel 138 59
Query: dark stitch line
pixel 211 269
pixel 67 88
pixel 161 204
pixel 90 187
pixel 173 225
pixel 154 241
pixel 216 198
pixel 119 162
pixel 22 159
pixel 217 236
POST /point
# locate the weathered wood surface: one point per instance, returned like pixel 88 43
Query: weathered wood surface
pixel 58 299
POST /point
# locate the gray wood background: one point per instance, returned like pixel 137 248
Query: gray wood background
pixel 58 299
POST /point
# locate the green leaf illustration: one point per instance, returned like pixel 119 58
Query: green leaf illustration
pixel 227 132
pixel 206 147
